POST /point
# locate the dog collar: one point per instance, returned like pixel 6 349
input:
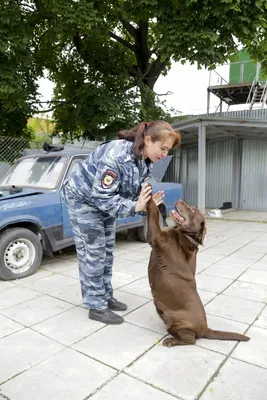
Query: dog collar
pixel 191 239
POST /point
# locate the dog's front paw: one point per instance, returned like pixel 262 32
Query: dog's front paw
pixel 169 342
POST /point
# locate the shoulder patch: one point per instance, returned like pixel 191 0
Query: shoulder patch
pixel 108 179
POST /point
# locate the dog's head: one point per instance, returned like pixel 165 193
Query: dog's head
pixel 189 220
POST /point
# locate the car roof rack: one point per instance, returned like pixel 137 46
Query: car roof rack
pixel 52 147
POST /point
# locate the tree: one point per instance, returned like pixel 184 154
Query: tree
pixel 106 56
pixel 18 70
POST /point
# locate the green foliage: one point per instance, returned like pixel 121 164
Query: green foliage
pixel 18 69
pixel 13 122
pixel 41 126
pixel 106 56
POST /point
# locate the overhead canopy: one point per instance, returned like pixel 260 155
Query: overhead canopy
pixel 200 130
pixel 222 127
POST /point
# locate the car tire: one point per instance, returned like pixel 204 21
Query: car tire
pixel 20 253
pixel 142 230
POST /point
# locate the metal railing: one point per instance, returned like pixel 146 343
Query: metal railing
pixel 249 114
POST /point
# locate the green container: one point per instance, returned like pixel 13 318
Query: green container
pixel 243 70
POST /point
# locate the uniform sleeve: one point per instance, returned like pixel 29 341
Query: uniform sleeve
pixel 105 191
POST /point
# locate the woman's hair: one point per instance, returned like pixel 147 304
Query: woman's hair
pixel 157 130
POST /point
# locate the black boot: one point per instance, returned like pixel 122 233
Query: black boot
pixel 105 316
pixel 116 305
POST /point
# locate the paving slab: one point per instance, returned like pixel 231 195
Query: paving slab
pixel 244 253
pixel 71 294
pixel 247 290
pixel 261 321
pixel 147 317
pixel 225 271
pixel 51 283
pixel 120 263
pixel 209 258
pixel 15 295
pixel 7 326
pixel 183 371
pixel 67 375
pixel 41 273
pixel 210 283
pixel 118 346
pixel 237 381
pixel 23 349
pixel 136 255
pixel 138 269
pixel 140 288
pixel 48 260
pixel 206 296
pixel 261 265
pixel 236 309
pixel 72 273
pixel 125 387
pixel 36 310
pixel 120 279
pixel 264 258
pixel 236 261
pixel 6 285
pixel 254 276
pixel 69 326
pixel 255 351
pixel 61 265
pixel 133 301
pixel 202 265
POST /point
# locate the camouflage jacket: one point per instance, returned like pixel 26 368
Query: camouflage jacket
pixel 110 178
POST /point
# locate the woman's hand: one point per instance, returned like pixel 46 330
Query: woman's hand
pixel 158 197
pixel 143 198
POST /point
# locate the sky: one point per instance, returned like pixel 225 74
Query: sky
pixel 187 85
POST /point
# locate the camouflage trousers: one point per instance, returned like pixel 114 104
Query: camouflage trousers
pixel 94 235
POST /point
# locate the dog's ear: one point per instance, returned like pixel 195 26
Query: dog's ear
pixel 202 233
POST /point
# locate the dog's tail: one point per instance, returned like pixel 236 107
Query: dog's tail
pixel 222 335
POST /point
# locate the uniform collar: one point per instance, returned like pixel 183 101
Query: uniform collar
pixel 141 163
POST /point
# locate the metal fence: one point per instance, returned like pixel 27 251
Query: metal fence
pixel 12 148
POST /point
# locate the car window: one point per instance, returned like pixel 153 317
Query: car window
pixel 36 172
pixel 74 165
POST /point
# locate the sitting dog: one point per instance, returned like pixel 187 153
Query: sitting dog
pixel 171 272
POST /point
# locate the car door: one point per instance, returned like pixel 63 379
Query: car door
pixel 67 229
pixel 158 172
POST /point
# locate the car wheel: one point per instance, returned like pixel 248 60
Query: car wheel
pixel 20 253
pixel 142 230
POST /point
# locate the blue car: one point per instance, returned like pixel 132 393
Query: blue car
pixel 33 215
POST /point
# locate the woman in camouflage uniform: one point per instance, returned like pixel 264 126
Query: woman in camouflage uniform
pixel 110 183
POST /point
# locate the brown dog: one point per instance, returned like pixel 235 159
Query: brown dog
pixel 171 273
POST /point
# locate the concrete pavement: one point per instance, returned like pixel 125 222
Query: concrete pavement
pixel 50 350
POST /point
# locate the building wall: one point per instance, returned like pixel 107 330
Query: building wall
pixel 219 173
pixel 253 182
pixel 219 166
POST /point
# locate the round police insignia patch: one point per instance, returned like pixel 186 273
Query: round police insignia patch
pixel 108 178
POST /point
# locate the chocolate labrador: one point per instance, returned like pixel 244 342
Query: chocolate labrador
pixel 171 272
